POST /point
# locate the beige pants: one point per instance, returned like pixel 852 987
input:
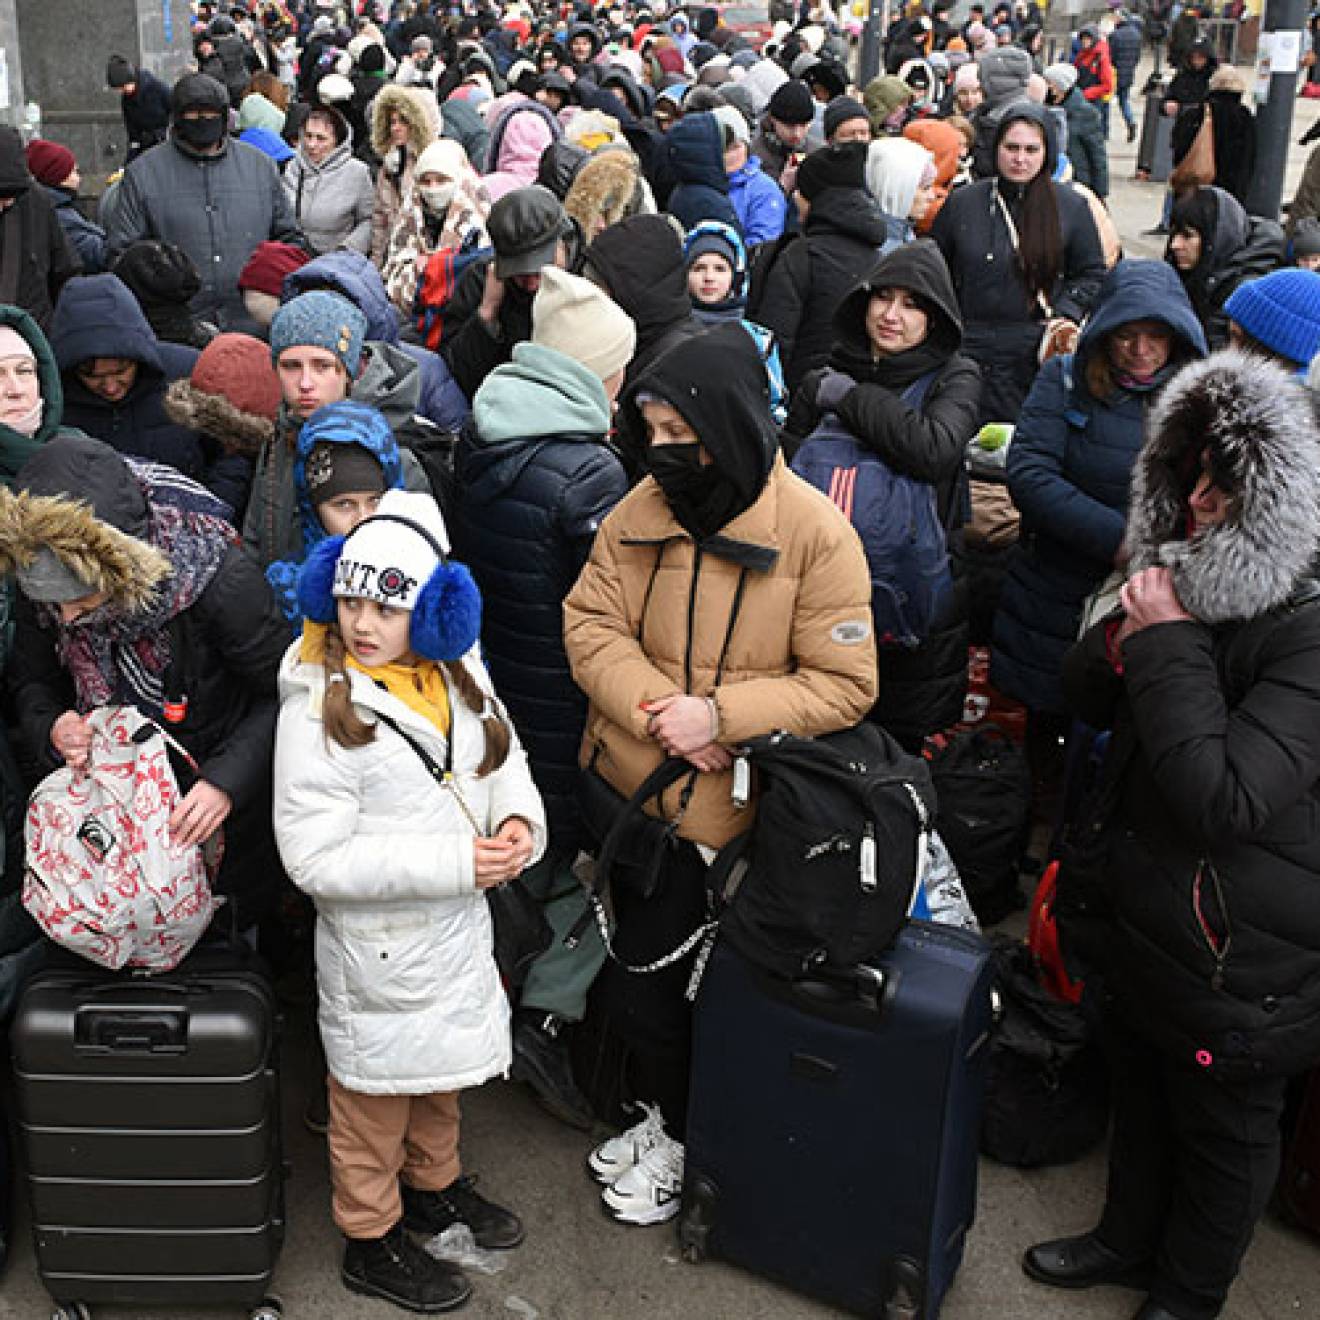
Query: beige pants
pixel 375 1140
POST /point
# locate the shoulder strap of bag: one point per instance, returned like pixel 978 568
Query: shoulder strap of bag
pixel 442 774
pixel 1013 237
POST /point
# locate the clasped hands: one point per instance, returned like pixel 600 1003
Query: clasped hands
pixel 686 726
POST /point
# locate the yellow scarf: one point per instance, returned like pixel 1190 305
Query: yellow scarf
pixel 420 685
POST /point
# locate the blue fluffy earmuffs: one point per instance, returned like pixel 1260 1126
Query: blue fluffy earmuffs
pixel 446 620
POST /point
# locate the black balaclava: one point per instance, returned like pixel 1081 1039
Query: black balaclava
pixel 717 382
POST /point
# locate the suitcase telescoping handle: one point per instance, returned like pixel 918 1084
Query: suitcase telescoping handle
pixel 867 985
pixel 137 1031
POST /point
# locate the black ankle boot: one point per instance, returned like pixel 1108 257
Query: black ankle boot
pixel 396 1269
pixel 493 1227
pixel 1152 1310
pixel 540 1059
pixel 1083 1262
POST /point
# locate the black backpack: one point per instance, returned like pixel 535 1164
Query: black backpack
pixel 1047 1088
pixel 984 789
pixel 764 258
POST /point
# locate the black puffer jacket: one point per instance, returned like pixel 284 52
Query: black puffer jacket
pixel 537 479
pixel 1003 321
pixel 922 690
pixel 1212 947
pixel 844 233
pixel 225 654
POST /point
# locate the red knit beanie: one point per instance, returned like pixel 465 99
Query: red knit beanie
pixel 237 368
pixel 269 264
pixel 49 162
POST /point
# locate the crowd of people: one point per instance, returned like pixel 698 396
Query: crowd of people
pixel 423 392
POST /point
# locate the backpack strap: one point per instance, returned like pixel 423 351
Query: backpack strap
pixel 915 394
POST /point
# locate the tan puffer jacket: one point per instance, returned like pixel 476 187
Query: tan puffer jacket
pixel 649 617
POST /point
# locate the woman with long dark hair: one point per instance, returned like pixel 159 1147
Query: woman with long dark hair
pixel 1025 258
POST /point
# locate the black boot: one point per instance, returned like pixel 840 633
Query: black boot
pixel 540 1059
pixel 493 1227
pixel 1083 1262
pixel 1152 1310
pixel 395 1268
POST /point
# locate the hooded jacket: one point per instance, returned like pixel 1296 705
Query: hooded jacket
pixel 273 524
pixel 332 202
pixel 758 202
pixel 46 258
pixel 538 478
pixel 1086 143
pixel 1240 248
pixel 920 691
pixel 86 238
pixel 420 112
pixel 146 113
pixel 694 150
pixel 410 1000
pixel 845 231
pixel 518 136
pixel 1069 469
pixel 1003 322
pixel 224 653
pixel 770 618
pixel 1213 843
pixel 16 449
pixel 640 263
pixel 98 317
pixel 349 273
pixel 216 208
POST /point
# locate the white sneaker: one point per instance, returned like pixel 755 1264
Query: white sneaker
pixel 652 1190
pixel 613 1158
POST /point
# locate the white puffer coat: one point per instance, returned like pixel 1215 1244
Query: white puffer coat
pixel 410 998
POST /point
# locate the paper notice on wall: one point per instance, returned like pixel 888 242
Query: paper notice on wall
pixel 4 80
pixel 1264 65
pixel 1286 56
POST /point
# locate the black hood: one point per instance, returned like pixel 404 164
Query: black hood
pixel 718 382
pixel 640 263
pixel 14 175
pixel 919 268
pixel 1033 114
pixel 75 464
pixel 852 212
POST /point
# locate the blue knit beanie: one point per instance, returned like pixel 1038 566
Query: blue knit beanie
pixel 1281 312
pixel 321 319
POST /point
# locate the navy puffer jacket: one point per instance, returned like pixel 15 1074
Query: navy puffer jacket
pixel 1068 472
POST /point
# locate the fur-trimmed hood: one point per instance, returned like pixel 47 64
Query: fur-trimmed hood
pixel 215 416
pixel 1260 427
pixel 418 108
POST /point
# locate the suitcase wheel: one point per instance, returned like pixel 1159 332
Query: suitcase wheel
pixel 269 1308
pixel 74 1311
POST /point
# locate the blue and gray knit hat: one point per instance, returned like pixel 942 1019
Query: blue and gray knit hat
pixel 320 319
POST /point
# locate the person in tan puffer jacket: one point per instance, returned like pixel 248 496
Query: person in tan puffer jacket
pixel 724 598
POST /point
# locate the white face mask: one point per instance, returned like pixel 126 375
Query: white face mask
pixel 436 196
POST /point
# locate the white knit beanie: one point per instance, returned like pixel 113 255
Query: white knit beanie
pixel 390 556
pixel 579 320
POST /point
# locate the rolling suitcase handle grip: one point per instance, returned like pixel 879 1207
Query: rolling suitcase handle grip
pixel 162 1031
pixel 869 985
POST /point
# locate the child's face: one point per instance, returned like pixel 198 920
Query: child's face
pixel 710 278
pixel 374 634
pixel 343 513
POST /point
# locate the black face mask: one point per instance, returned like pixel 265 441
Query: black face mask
pixel 200 133
pixel 701 498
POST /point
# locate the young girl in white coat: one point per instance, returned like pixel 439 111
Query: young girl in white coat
pixel 411 1005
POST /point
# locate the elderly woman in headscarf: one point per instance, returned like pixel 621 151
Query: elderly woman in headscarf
pixel 446 209
pixel 31 396
pixel 134 590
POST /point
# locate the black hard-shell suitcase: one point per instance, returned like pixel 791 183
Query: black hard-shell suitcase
pixel 149 1116
pixel 832 1127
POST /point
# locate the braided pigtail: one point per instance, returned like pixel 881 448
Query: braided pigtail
pixel 342 723
pixel 493 726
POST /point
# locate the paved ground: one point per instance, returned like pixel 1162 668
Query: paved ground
pixel 577 1265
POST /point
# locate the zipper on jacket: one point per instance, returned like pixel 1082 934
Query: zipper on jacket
pixel 691 618
pixel 1219 945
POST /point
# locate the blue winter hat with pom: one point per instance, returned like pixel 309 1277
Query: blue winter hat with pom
pixel 1281 312
pixel 399 557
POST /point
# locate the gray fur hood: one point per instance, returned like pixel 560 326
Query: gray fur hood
pixel 1260 427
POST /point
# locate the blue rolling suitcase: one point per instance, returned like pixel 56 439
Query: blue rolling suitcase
pixel 832 1125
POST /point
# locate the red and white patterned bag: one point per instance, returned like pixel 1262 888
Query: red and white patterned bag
pixel 103 878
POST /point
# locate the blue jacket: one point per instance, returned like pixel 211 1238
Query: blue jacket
pixel 352 274
pixel 97 317
pixel 759 203
pixel 537 479
pixel 694 150
pixel 88 239
pixel 1069 469
pixel 1125 51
